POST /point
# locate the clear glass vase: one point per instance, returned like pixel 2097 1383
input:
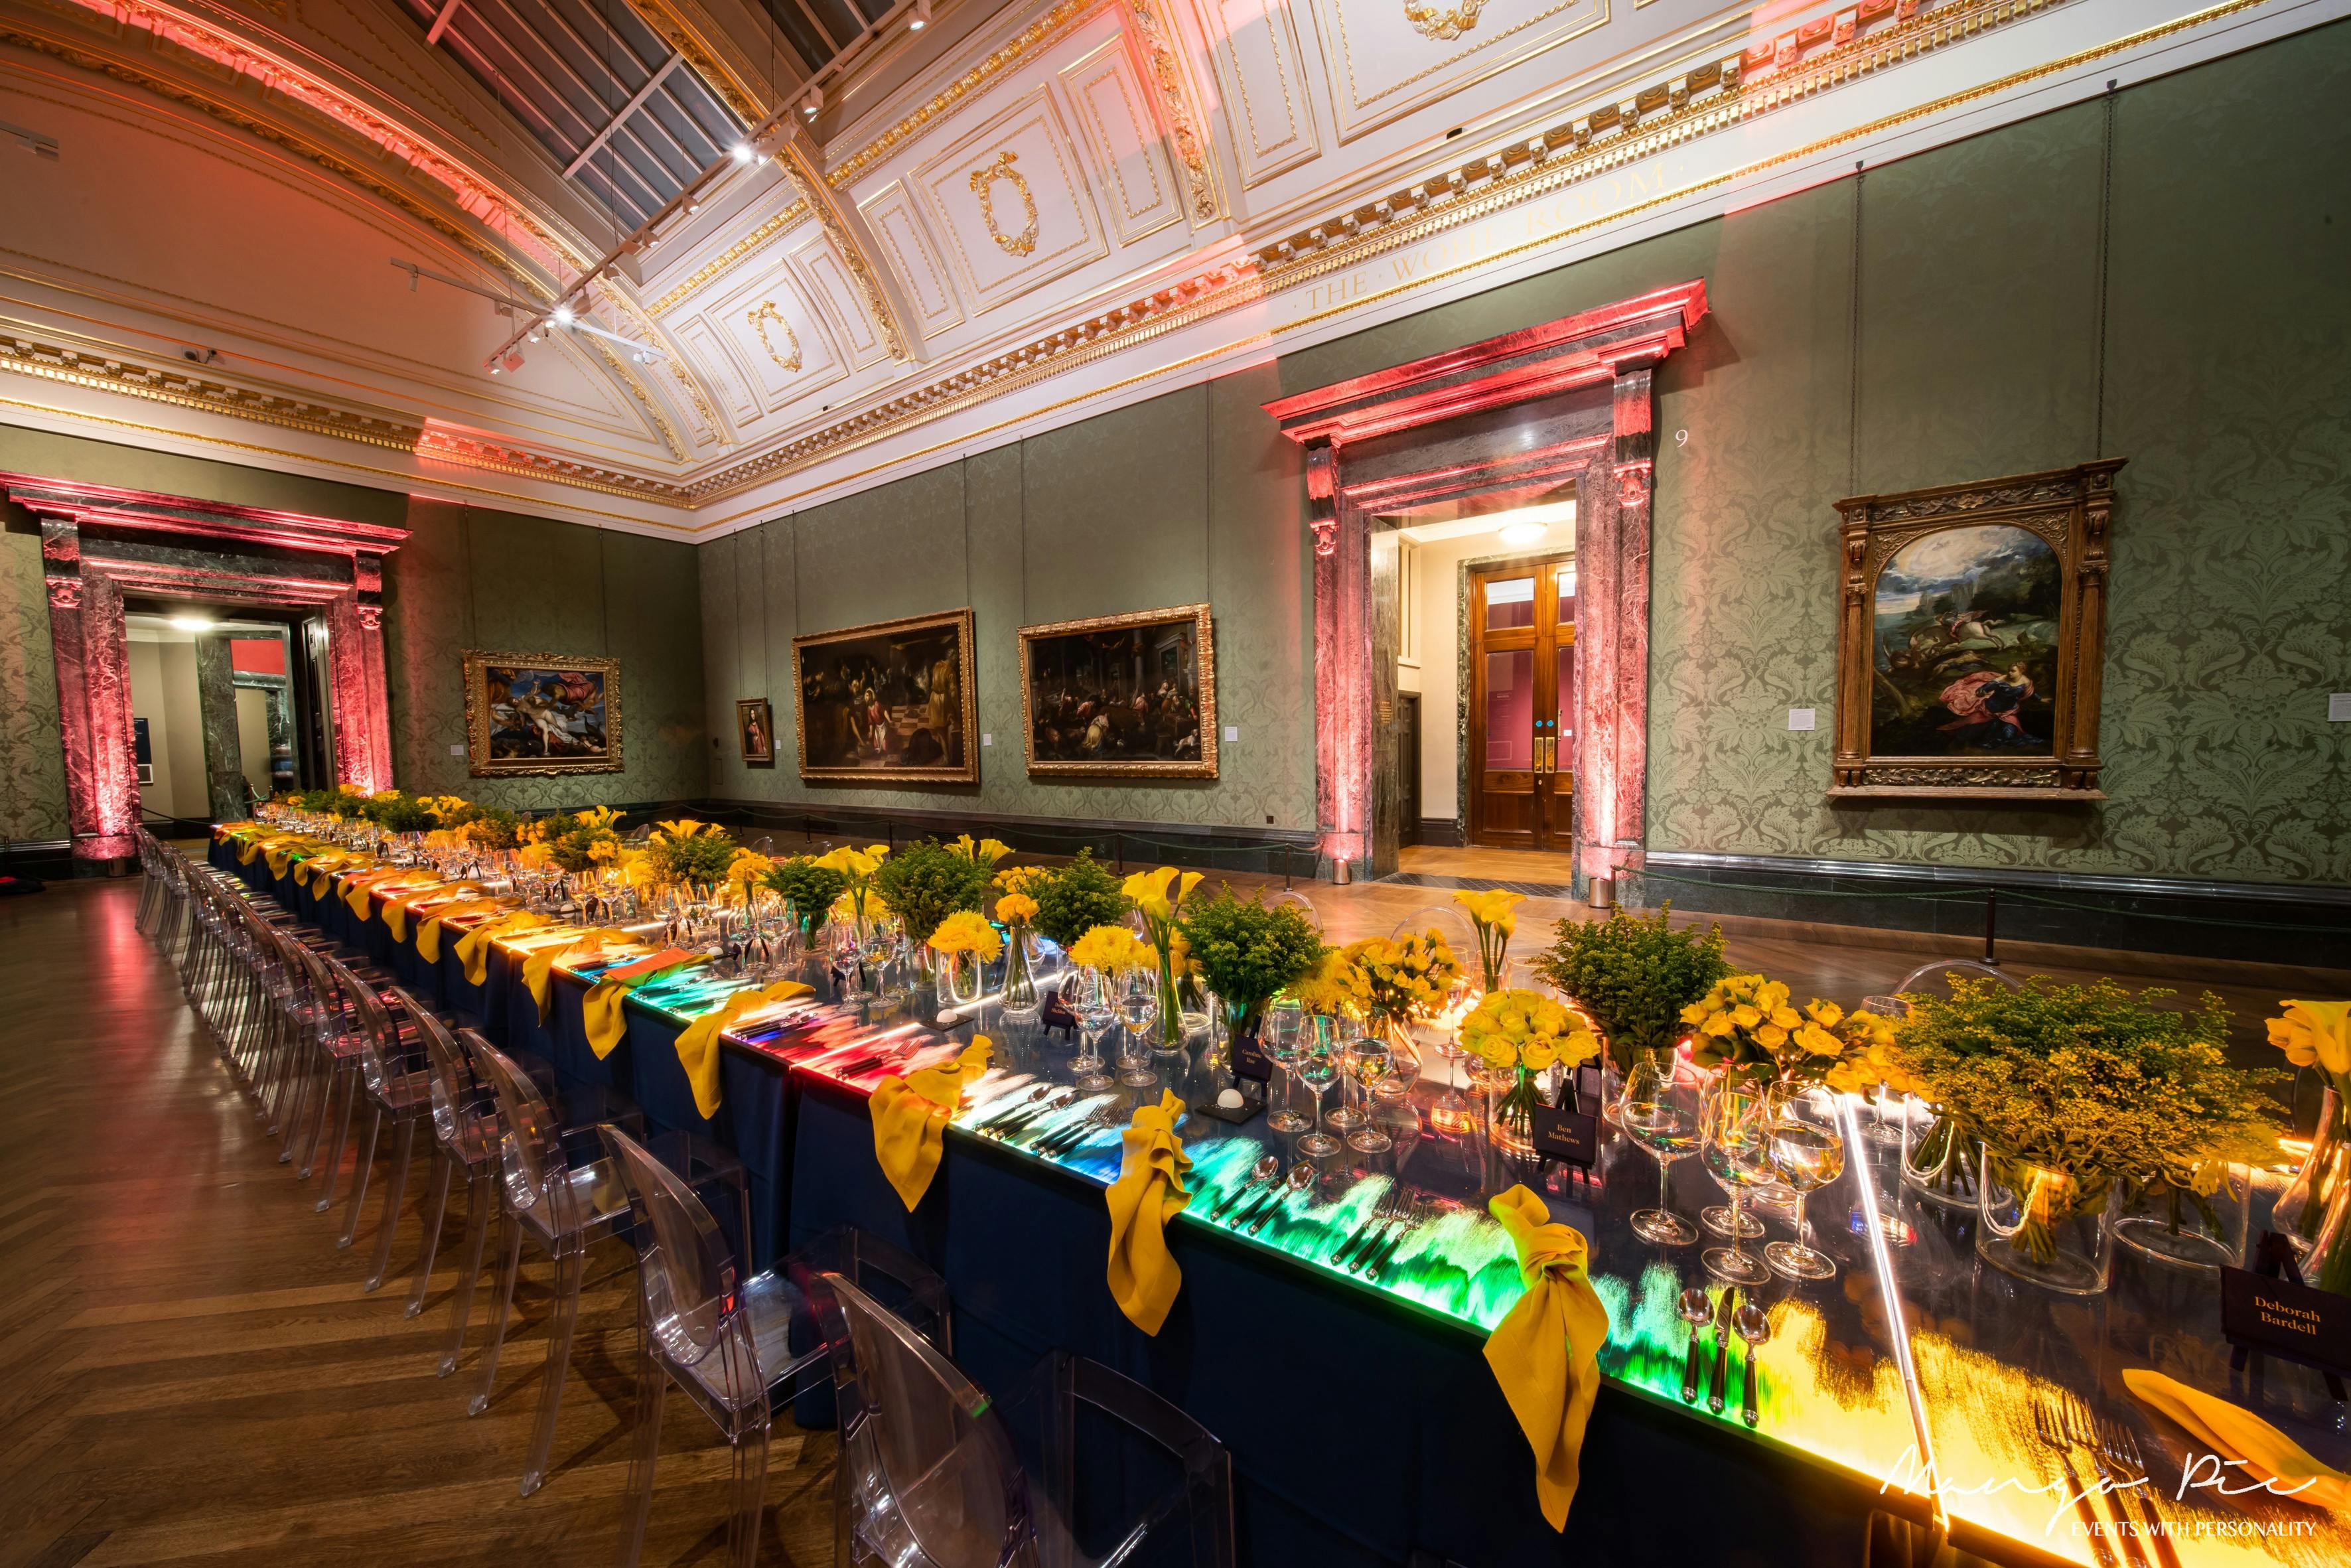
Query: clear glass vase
pixel 958 977
pixel 2301 1208
pixel 2183 1228
pixel 1939 1162
pixel 2045 1226
pixel 1514 1124
pixel 1022 1002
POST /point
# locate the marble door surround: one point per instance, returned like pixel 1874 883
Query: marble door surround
pixel 1567 403
pixel 99 543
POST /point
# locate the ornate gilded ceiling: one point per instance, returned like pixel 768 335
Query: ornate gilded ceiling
pixel 1004 220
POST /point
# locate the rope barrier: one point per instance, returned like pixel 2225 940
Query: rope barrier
pixel 1998 893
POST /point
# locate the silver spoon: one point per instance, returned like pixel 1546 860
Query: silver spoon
pixel 1302 1177
pixel 1697 1312
pixel 1260 1174
pixel 1754 1327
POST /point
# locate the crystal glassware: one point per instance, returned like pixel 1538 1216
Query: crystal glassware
pixel 1095 1005
pixel 1736 1152
pixel 1807 1153
pixel 1368 1063
pixel 1662 1109
pixel 1344 1117
pixel 1284 1035
pixel 1316 1067
pixel 1137 1000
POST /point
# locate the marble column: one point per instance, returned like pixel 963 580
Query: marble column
pixel 361 702
pixel 224 742
pixel 1343 683
pixel 93 669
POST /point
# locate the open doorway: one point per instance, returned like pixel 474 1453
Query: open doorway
pixel 220 708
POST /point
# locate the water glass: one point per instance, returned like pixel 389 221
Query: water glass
pixel 1662 1111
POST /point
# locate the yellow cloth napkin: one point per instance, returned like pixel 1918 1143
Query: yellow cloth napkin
pixel 396 908
pixel 2233 1432
pixel 474 947
pixel 605 1008
pixel 428 935
pixel 698 1042
pixel 357 884
pixel 246 851
pixel 911 1116
pixel 1149 1191
pixel 1545 1353
pixel 538 969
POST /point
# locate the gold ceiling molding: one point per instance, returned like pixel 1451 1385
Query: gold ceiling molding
pixel 1036 35
pixel 983 185
pixel 1179 104
pixel 798 159
pixel 689 29
pixel 761 318
pixel 107 373
pixel 725 260
pixel 479 452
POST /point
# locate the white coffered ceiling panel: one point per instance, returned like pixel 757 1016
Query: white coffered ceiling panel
pixel 1384 59
pixel 1138 187
pixel 1268 111
pixel 913 256
pixel 827 279
pixel 1013 201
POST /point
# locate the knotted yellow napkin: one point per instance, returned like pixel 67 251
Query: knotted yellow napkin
pixel 2233 1432
pixel 538 969
pixel 605 1008
pixel 911 1116
pixel 396 907
pixel 428 935
pixel 356 886
pixel 474 947
pixel 698 1042
pixel 246 851
pixel 1545 1353
pixel 1149 1191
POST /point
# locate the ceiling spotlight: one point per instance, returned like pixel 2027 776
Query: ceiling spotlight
pixel 743 153
pixel 191 623
pixel 812 101
pixel 1522 533
pixel 563 315
pixel 692 206
pixel 513 361
pixel 531 335
pixel 921 17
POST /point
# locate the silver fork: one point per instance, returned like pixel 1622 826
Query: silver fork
pixel 1399 1206
pixel 2116 1443
pixel 2050 1428
pixel 1423 1210
pixel 2081 1430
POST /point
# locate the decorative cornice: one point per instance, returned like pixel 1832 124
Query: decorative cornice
pixel 1034 35
pixel 1179 105
pixel 481 451
pixel 726 260
pixel 108 372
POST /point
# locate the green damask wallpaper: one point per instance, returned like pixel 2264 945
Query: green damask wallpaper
pixel 2227 383
pixel 1187 497
pixel 32 743
pixel 469 578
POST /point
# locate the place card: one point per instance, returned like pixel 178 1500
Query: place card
pixel 1250 1060
pixel 1570 1137
pixel 2282 1318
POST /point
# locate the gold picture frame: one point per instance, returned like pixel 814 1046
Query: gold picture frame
pixel 1971 639
pixel 755 732
pixel 549 713
pixel 873 700
pixel 1129 696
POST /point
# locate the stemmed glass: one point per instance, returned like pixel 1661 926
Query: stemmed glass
pixel 1095 1005
pixel 1368 1060
pixel 1284 1036
pixel 1317 1064
pixel 1807 1153
pixel 1343 1117
pixel 1138 1016
pixel 1662 1111
pixel 1736 1152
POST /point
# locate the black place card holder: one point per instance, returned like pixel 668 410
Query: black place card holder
pixel 1056 1014
pixel 1250 1060
pixel 2286 1319
pixel 1589 1086
pixel 1570 1137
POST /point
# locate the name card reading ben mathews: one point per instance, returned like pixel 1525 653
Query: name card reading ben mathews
pixel 2297 1322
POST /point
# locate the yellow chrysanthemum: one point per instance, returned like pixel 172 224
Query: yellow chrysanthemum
pixel 968 931
pixel 1015 909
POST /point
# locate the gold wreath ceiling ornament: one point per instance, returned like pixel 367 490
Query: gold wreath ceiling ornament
pixel 759 318
pixel 1442 22
pixel 983 185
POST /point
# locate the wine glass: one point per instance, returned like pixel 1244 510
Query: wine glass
pixel 1317 1065
pixel 1095 1005
pixel 1284 1035
pixel 1736 1152
pixel 1806 1152
pixel 1661 1110
pixel 1343 1117
pixel 1138 1016
pixel 1368 1061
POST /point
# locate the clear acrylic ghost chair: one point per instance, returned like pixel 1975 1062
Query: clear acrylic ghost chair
pixel 465 1142
pixel 399 1090
pixel 563 1206
pixel 934 1474
pixel 734 1345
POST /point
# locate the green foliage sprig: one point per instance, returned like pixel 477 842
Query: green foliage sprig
pixel 397 812
pixel 695 854
pixel 494 828
pixel 925 883
pixel 810 888
pixel 1077 897
pixel 1245 952
pixel 1634 974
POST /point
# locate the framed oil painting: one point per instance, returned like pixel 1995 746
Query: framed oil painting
pixel 891 701
pixel 1133 694
pixel 1972 637
pixel 755 731
pixel 541 713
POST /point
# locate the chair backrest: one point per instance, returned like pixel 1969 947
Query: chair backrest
pixel 928 1472
pixel 377 1040
pixel 456 1098
pixel 1935 978
pixel 1204 1494
pixel 686 1270
pixel 530 1140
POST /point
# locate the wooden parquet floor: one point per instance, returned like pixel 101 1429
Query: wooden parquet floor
pixel 190 1372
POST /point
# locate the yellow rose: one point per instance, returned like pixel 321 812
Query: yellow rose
pixel 1825 1014
pixel 1772 1037
pixel 1539 1052
pixel 1819 1041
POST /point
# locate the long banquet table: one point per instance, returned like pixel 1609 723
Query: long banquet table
pixel 1364 1424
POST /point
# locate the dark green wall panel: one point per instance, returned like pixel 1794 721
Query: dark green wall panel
pixel 32 740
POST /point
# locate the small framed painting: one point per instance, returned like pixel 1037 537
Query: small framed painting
pixel 1133 694
pixel 1971 639
pixel 754 730
pixel 541 713
pixel 895 700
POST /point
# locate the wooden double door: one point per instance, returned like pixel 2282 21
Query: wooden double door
pixel 1521 701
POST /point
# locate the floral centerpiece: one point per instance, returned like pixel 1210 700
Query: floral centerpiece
pixel 1017 911
pixel 491 828
pixel 860 901
pixel 1393 983
pixel 2075 1092
pixel 1493 913
pixel 1632 976
pixel 578 842
pixel 1745 1028
pixel 1158 898
pixel 808 886
pixel 966 943
pixel 1524 1033
pixel 689 853
pixel 924 883
pixel 1072 899
pixel 1248 954
pixel 2315 1210
pixel 1112 949
pixel 396 813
